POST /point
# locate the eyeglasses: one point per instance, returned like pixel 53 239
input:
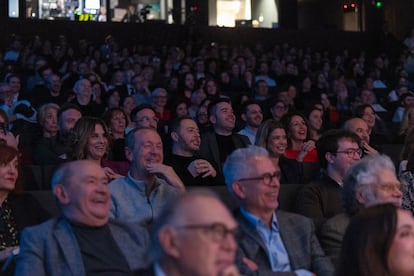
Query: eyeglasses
pixel 352 152
pixel 267 178
pixel 390 187
pixel 217 231
pixel 147 119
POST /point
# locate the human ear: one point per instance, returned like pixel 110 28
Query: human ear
pixel 239 189
pixel 169 242
pixel 60 192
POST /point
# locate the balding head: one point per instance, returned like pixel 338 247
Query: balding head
pixel 359 127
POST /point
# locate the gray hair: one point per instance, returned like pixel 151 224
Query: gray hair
pixel 238 164
pixel 169 215
pixel 363 173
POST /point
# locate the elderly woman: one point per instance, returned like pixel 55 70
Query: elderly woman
pixel 92 143
pixel 271 135
pixel 18 210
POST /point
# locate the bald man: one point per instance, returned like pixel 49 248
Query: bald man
pixel 360 128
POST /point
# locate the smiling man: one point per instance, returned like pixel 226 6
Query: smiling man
pixel 276 241
pixel 221 142
pixel 83 241
pixel 140 195
pixel 193 170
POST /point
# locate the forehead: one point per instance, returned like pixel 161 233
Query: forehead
pixel 346 143
pixel 296 118
pixel 147 135
pixel 99 128
pixel 145 112
pixel 387 176
pixel 85 170
pixel 261 165
pixel 186 123
pixel 223 106
pixel 358 124
pixel 278 131
pixel 71 113
pixel 253 107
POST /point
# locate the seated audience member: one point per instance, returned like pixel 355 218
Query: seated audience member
pixel 314 116
pixel 251 114
pixel 6 135
pixel 271 135
pixel 407 125
pixel 299 146
pixel 199 226
pixel 143 115
pixel 140 195
pixel 48 119
pixel 376 126
pixel 92 143
pixel 128 104
pixel 276 241
pixel 219 143
pixel 321 199
pixel 193 170
pixel 83 99
pixel 117 121
pixel 18 210
pixel 378 241
pixel 407 179
pixel 278 109
pixel 360 128
pixel 83 241
pixel 406 150
pixel 405 100
pixel 368 182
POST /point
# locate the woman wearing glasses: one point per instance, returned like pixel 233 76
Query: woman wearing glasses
pixel 271 135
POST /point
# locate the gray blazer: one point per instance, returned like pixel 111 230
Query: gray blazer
pixel 52 249
pixel 209 149
pixel 298 235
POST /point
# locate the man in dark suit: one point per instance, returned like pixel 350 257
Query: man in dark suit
pixel 194 235
pixel 83 241
pixel 276 241
pixel 221 142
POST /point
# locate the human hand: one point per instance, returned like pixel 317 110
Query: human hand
pixel 230 271
pixel 7 252
pixel 305 149
pixel 168 173
pixel 111 174
pixel 368 149
pixel 250 264
pixel 10 139
pixel 203 167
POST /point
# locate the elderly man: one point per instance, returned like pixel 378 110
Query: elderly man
pixel 83 241
pixel 149 184
pixel 360 128
pixel 274 240
pixel 83 99
pixel 194 236
pixel 193 170
pixel 370 181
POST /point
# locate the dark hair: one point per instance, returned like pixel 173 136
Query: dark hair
pixel 107 116
pixel 212 106
pixel 138 108
pixel 367 242
pixel 359 110
pixel 329 143
pixel 176 123
pixel 7 154
pixel 246 104
pixel 68 106
pixel 286 119
pixel 264 131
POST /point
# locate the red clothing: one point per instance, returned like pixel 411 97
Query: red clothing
pixel 165 116
pixel 312 156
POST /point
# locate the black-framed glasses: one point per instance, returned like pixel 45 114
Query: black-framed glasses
pixel 352 152
pixel 267 178
pixel 217 231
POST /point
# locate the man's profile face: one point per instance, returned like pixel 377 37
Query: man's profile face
pixel 68 119
pixel 199 252
pixel 147 149
pixel 88 195
pixel 189 135
pixel 360 128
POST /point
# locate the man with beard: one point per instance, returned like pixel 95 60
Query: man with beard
pixel 252 115
pixel 193 170
pixel 221 142
pixel 140 195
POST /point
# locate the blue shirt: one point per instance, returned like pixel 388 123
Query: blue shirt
pixel 278 256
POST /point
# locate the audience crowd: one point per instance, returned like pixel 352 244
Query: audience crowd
pixel 128 129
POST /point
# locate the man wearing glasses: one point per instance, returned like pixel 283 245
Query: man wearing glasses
pixel 370 181
pixel 194 235
pixel 321 199
pixel 276 241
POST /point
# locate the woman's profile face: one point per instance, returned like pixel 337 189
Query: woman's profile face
pixel 315 119
pixel 401 254
pixel 8 175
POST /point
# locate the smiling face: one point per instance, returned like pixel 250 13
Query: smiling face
pixel 297 128
pixel 8 175
pixel 97 144
pixel 401 254
pixel 188 136
pixel 224 119
pixel 118 122
pixel 253 116
pixel 369 117
pixel 277 142
pixel 147 149
pixel 259 199
pixel 315 119
pixel 86 197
